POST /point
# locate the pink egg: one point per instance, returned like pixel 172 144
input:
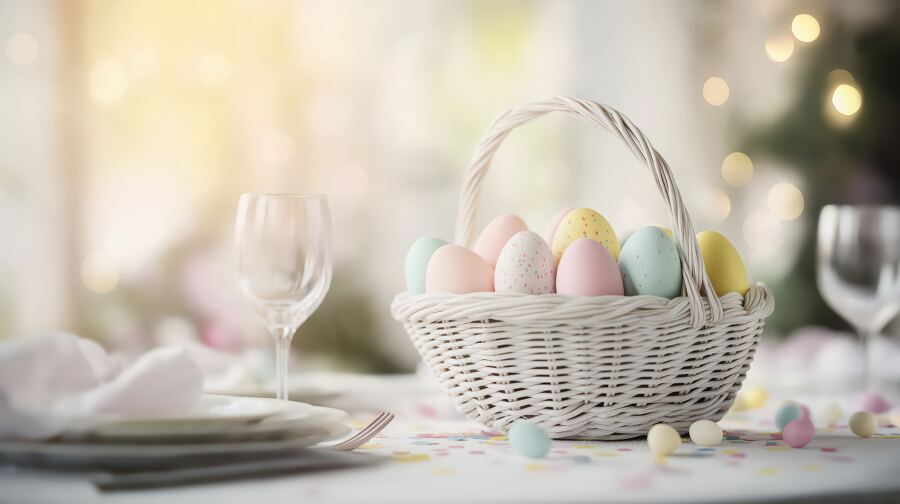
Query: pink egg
pixel 458 270
pixel 806 414
pixel 873 403
pixel 495 235
pixel 554 224
pixel 798 433
pixel 588 269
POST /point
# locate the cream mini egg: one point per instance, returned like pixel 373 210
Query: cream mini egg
pixel 495 235
pixel 863 424
pixel 650 264
pixel 417 262
pixel 724 265
pixel 588 269
pixel 458 270
pixel 663 440
pixel 705 433
pixel 525 265
pixel 584 223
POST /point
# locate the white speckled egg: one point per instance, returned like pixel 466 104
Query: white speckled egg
pixel 650 264
pixel 525 265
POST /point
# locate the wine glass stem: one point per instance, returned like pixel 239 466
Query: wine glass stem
pixel 867 382
pixel 282 337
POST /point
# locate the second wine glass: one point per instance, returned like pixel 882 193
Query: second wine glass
pixel 283 252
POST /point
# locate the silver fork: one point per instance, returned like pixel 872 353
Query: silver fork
pixel 364 435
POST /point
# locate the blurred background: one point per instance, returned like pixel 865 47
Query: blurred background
pixel 130 129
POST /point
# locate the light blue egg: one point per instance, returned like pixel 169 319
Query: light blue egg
pixel 529 440
pixel 787 414
pixel 417 262
pixel 650 264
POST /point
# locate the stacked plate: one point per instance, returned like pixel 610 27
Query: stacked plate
pixel 222 429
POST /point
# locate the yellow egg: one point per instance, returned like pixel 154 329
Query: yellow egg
pixel 663 440
pixel 724 265
pixel 584 223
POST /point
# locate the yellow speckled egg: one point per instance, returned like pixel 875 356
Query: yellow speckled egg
pixel 723 264
pixel 584 223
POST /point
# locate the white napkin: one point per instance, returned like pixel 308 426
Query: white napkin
pixel 51 381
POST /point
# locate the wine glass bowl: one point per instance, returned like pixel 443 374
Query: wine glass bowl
pixel 858 267
pixel 283 254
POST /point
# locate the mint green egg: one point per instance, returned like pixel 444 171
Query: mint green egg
pixel 650 264
pixel 417 262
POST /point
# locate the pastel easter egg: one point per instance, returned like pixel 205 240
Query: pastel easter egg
pixel 650 264
pixel 786 414
pixel 798 433
pixel 458 270
pixel 873 403
pixel 528 439
pixel 832 414
pixel 705 433
pixel 417 262
pixel 663 440
pixel 584 223
pixel 724 265
pixel 588 269
pixel 495 235
pixel 863 424
pixel 525 265
pixel 554 224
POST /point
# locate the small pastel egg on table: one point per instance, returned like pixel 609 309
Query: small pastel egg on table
pixel 458 270
pixel 554 224
pixel 663 440
pixel 417 262
pixel 863 424
pixel 724 265
pixel 588 269
pixel 873 403
pixel 525 265
pixel 786 414
pixel 650 264
pixel 584 223
pixel 528 439
pixel 832 414
pixel 495 235
pixel 705 433
pixel 798 433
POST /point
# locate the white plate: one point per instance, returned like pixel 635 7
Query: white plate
pixel 80 455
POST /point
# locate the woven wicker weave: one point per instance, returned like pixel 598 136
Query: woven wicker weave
pixel 606 367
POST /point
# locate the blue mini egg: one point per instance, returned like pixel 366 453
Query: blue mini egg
pixel 787 414
pixel 650 264
pixel 529 440
pixel 417 262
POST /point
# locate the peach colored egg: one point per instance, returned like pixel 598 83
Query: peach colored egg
pixel 554 224
pixel 495 235
pixel 588 269
pixel 458 270
pixel 525 265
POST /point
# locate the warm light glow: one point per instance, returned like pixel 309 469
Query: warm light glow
pixel 100 273
pixel 214 69
pixel 764 234
pixel 347 184
pixel 143 62
pixel 785 201
pixel 805 28
pixel 715 91
pixel 780 48
pixel 737 169
pixel 720 204
pixel 109 81
pixel 21 49
pixel 846 99
pixel 276 147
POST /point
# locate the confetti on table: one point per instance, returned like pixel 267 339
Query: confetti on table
pixel 768 471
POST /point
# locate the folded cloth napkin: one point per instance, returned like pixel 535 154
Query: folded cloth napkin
pixel 53 381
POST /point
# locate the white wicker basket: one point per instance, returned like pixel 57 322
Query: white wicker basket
pixel 606 367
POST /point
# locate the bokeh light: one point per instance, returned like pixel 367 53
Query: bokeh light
pixel 21 49
pixel 715 91
pixel 214 69
pixel 109 81
pixel 764 234
pixel 785 201
pixel 805 28
pixel 719 204
pixel 846 99
pixel 737 169
pixel 100 273
pixel 780 48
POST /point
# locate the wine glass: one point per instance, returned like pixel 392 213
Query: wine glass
pixel 858 269
pixel 283 252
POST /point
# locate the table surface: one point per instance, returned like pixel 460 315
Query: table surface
pixel 458 461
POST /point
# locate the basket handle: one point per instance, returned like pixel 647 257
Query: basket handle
pixel 693 271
